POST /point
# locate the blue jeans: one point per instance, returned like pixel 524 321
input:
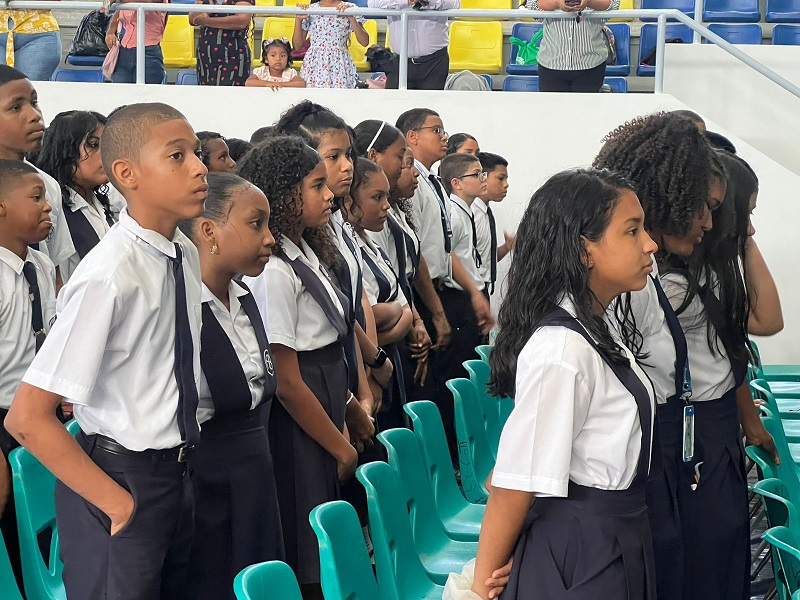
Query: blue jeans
pixel 126 65
pixel 35 54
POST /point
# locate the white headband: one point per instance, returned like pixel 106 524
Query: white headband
pixel 377 135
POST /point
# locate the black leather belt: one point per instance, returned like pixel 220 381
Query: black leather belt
pixel 177 454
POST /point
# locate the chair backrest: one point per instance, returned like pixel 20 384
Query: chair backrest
pixel 479 372
pixel 476 46
pixel 648 33
pixel 34 489
pixel 618 84
pixel 763 460
pixel 787 471
pixel 429 431
pixel 475 457
pixel 8 583
pixel 399 569
pixel 359 52
pixel 786 35
pixel 522 31
pixel 737 33
pixel 783 11
pixel 177 44
pixel 276 27
pixel 266 581
pixel 521 83
pixel 186 77
pixel 344 563
pixel 405 457
pixel 622 42
pixel 79 75
pixel 783 540
pixel 685 6
pixel 487 4
pixel 761 391
pixel 485 349
pixel 780 510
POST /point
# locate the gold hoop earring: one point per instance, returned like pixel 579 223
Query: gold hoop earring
pixel 214 249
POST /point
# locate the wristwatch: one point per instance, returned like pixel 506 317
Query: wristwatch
pixel 380 360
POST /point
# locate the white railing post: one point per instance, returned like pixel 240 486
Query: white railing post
pixel 140 30
pixel 698 18
pixel 402 76
pixel 661 39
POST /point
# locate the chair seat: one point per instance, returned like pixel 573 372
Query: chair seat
pixel 781 372
pixel 788 405
pixel 450 559
pixel 783 16
pixel 465 525
pixel 732 16
pixel 785 389
pixel 475 67
pixel 85 61
pixel 522 69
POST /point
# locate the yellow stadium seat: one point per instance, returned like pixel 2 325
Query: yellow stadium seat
pixel 486 5
pixel 625 5
pixel 178 43
pixel 265 3
pixel 359 52
pixel 276 27
pixel 476 46
pixel 294 2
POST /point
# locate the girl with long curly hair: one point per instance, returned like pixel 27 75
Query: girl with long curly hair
pixel 70 153
pixel 697 496
pixel 305 315
pixel 567 494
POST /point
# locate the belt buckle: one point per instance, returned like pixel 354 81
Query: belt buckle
pixel 183 453
pixel 414 61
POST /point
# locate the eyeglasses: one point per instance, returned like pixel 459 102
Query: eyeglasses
pixel 481 176
pixel 437 129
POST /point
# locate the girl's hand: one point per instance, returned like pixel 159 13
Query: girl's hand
pixel 499 580
pixel 342 6
pixel 347 463
pixel 120 516
pixel 276 86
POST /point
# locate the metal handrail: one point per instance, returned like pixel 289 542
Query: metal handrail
pixel 406 14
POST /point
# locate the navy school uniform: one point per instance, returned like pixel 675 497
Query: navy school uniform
pixel 237 521
pixel 579 438
pixel 87 221
pixel 305 312
pixel 713 511
pixel 124 352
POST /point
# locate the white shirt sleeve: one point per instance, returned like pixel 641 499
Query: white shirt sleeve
pixel 551 404
pixel 281 303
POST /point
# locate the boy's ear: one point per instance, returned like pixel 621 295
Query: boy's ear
pixel 125 173
pixel 2 208
pixel 455 183
pixel 412 138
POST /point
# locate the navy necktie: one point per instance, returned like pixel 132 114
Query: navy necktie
pixel 492 250
pixel 184 358
pixel 446 228
pixel 37 319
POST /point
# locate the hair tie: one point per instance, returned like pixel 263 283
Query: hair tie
pixel 377 135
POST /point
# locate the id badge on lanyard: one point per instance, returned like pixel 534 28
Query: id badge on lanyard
pixel 688 416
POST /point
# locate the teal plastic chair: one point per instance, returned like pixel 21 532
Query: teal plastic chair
pixel 763 460
pixel 400 572
pixel 450 502
pixel 474 454
pixel 775 372
pixel 431 535
pixel 784 542
pixel 479 372
pixel 787 470
pixel 34 489
pixel 787 410
pixel 266 581
pixel 484 351
pixel 72 426
pixel 345 568
pixel 8 583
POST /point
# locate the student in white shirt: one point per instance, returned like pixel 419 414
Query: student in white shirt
pixel 463 143
pixel 308 326
pixel 367 209
pixel 124 351
pixel 237 521
pixel 567 498
pixel 70 153
pixel 679 202
pixel 27 307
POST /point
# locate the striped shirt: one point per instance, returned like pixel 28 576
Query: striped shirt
pixel 571 46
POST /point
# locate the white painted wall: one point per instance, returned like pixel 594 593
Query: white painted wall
pixel 539 134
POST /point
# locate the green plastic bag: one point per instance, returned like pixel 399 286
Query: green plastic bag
pixel 528 53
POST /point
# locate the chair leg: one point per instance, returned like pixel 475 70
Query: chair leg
pixel 762 561
pixel 757 520
pixel 772 593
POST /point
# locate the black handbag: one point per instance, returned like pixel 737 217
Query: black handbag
pixel 90 36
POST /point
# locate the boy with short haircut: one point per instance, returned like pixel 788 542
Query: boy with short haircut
pixel 27 306
pixel 123 352
pixel 21 132
pixel 496 169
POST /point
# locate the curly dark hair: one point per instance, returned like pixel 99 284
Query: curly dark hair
pixel 669 161
pixel 277 167
pixel 549 265
pixel 61 151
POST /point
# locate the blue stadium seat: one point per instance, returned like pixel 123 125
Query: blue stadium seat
pixel 685 6
pixel 83 75
pixel 186 77
pixel 618 84
pixel 783 11
pixel 622 43
pixel 523 31
pixel 647 41
pixel 731 11
pixel 521 83
pixel 738 34
pixel 488 79
pixel 181 2
pixel 85 61
pixel 786 35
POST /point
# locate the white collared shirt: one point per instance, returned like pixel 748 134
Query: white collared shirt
pixel 573 419
pixel 480 215
pixel 112 350
pixel 371 282
pixel 339 228
pixel 17 343
pixel 237 326
pixel 428 217
pixel 295 319
pixel 58 245
pixel 712 375
pixel 385 240
pixel 462 242
pixel 96 216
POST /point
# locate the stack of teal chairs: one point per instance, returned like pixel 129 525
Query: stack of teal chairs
pixel 8 584
pixel 784 542
pixel 266 581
